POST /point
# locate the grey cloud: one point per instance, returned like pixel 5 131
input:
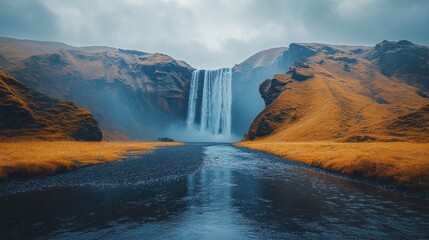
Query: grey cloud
pixel 213 34
pixel 27 19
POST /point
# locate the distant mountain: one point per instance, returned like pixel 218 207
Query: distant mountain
pixel 28 114
pixel 360 93
pixel 349 94
pixel 132 94
pixel 266 62
pixel 247 76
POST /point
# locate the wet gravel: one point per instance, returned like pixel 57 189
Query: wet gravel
pixel 162 164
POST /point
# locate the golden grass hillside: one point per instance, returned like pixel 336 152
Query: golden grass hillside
pixel 357 111
pixel 405 164
pixel 29 114
pixel 37 158
pixel 337 105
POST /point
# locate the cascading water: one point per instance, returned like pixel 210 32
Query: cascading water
pixel 210 100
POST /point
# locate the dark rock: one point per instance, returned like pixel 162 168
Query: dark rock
pixel 165 139
pixel 270 89
pixel 408 61
pixel 266 122
pixel 301 64
pixel 88 131
pixel 298 75
pixel 357 51
pixel 330 50
pixel 301 51
pixel 346 68
pixel 364 138
pixel 381 100
pixel 132 52
pixel 56 60
pixel 296 52
pixel 344 59
pixel 422 94
pixel 263 129
pixel 278 118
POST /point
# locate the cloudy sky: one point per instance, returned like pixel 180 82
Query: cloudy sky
pixel 213 34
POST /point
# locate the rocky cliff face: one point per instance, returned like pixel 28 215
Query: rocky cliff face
pixel 270 89
pixel 29 114
pixel 346 93
pixel 403 60
pixel 132 94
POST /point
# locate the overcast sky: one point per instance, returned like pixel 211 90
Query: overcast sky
pixel 217 33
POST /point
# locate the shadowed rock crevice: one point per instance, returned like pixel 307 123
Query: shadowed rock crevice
pixel 270 89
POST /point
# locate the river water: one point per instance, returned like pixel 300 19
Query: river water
pixel 207 191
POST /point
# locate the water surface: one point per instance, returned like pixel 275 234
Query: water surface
pixel 207 191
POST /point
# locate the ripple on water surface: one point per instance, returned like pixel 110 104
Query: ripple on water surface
pixel 207 192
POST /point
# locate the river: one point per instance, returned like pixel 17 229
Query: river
pixel 207 191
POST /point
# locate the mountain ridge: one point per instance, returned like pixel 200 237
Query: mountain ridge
pixel 134 95
pixel 358 99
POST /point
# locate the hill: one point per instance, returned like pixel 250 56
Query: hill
pixel 133 94
pixel 28 114
pixel 349 94
pixel 247 76
pixel 355 110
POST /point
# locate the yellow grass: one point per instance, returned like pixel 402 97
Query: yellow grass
pixel 335 106
pixel 44 158
pixel 403 163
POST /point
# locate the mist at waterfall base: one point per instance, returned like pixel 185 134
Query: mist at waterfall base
pixel 209 117
pixel 179 132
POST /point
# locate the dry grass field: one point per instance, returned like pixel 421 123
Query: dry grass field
pixel 38 158
pixel 405 164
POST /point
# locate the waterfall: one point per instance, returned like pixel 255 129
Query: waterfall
pixel 210 99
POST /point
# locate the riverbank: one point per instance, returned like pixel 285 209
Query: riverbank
pixel 38 158
pixel 405 164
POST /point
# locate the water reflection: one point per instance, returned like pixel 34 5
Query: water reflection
pixel 223 192
pixel 82 209
pixel 209 211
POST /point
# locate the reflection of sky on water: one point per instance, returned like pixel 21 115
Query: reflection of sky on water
pixel 225 192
